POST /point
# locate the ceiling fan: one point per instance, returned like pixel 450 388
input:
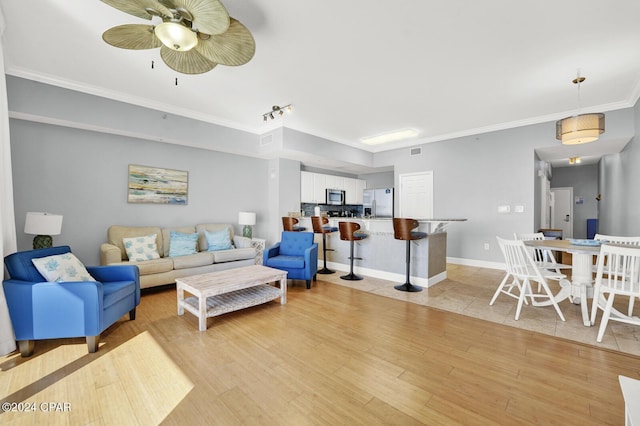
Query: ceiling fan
pixel 194 35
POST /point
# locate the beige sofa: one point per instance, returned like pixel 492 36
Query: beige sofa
pixel 166 269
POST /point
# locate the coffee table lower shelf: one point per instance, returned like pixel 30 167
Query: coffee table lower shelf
pixel 233 301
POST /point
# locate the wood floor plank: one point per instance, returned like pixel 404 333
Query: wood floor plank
pixel 331 355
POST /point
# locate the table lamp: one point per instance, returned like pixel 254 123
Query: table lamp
pixel 42 225
pixel 248 219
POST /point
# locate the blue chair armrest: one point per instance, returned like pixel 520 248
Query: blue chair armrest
pixel 311 258
pixel 35 308
pixel 272 251
pixel 107 274
pixel 114 273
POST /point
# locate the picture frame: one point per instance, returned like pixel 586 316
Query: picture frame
pixel 157 185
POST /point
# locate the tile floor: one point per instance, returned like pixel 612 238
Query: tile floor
pixel 468 290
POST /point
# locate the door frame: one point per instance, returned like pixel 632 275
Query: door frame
pixel 553 206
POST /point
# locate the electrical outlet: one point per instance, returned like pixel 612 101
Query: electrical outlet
pixel 486 246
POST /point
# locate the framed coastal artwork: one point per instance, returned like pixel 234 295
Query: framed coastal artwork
pixel 157 185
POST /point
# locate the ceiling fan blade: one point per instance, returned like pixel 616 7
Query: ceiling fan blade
pixel 138 7
pixel 132 36
pixel 234 47
pixel 189 62
pixel 209 16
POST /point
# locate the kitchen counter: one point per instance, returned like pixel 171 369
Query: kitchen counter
pixel 383 256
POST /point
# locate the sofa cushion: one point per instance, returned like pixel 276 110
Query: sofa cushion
pixel 193 260
pixel 155 266
pixel 284 261
pixel 242 242
pixel 211 227
pixel 182 244
pixel 166 236
pixel 141 248
pixel 62 267
pixel 117 233
pixel 221 256
pixel 218 240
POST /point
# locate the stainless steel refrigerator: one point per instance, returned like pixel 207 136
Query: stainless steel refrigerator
pixel 378 202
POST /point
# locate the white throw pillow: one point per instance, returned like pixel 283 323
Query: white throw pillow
pixel 141 248
pixel 62 267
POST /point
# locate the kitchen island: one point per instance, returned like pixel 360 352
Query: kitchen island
pixel 383 256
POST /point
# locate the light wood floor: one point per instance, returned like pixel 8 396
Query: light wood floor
pixel 331 355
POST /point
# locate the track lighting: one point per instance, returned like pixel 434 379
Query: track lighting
pixel 276 110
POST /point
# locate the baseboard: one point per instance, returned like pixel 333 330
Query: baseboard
pixel 389 276
pixel 476 263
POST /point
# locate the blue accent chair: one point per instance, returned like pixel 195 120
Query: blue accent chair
pixel 52 310
pixel 296 253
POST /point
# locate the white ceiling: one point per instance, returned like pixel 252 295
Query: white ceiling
pixel 358 68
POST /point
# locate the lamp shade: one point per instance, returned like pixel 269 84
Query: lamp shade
pixel 247 218
pixel 176 36
pixel 43 224
pixel 579 129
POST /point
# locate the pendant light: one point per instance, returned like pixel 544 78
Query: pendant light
pixel 581 128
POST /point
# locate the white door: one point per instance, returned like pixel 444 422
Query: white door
pixel 562 211
pixel 416 195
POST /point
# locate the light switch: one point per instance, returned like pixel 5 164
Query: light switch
pixel 518 209
pixel 504 209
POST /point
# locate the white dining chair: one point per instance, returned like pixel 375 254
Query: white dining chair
pixel 544 257
pixel 616 239
pixel 522 269
pixel 618 274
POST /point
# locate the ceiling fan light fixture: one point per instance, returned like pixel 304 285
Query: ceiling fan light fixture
pixel 176 36
pixel 583 128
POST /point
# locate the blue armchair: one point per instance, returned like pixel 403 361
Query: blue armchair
pixel 50 310
pixel 296 253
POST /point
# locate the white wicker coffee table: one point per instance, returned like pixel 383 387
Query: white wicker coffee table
pixel 219 292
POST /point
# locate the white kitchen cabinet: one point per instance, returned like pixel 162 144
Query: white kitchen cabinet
pixel 319 188
pixel 350 191
pixel 361 185
pixel 306 187
pixel 335 182
pixel 312 188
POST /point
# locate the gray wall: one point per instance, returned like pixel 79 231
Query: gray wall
pixel 619 175
pixel 584 181
pixel 77 166
pixel 472 177
pixel 83 176
pixel 378 180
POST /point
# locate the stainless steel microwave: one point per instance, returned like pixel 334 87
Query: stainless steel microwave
pixel 335 197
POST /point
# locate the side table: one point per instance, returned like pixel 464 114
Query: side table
pixel 258 244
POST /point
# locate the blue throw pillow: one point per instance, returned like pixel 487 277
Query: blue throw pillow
pixel 218 240
pixel 182 244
